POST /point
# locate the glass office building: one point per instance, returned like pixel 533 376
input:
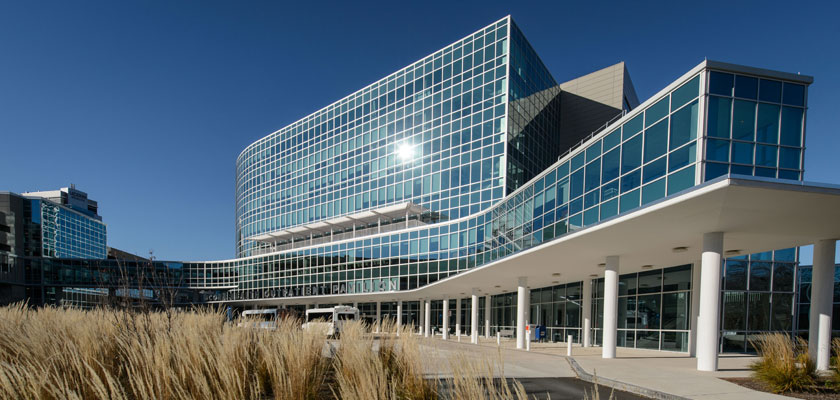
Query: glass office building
pixel 462 160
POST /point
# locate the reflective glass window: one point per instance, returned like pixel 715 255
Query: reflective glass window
pixel 685 93
pixel 654 170
pixel 760 275
pixel 742 153
pixel 682 157
pixel 720 110
pixel 653 191
pixel 611 165
pixel 765 155
pixel 681 180
pixel 794 94
pixel 714 170
pixel 629 200
pixel 632 127
pixel 736 275
pixel 717 150
pixel 593 175
pixel 720 83
pixel 656 112
pixel 656 140
pixel 767 129
pixel 791 127
pixel 759 311
pixel 613 139
pixel 683 126
pixel 631 154
pixel 746 87
pixel 789 157
pixel 770 91
pixel 734 310
pixel 743 120
pixel 631 181
pixel 675 310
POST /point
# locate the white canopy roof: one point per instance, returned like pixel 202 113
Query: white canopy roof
pixel 343 222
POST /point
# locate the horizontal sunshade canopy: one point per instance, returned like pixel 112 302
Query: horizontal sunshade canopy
pixel 344 222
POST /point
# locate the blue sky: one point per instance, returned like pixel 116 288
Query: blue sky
pixel 145 105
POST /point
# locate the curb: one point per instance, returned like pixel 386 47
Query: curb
pixel 641 391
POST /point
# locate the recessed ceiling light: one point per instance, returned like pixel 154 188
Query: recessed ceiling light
pixel 681 249
pixel 555 274
pixel 733 252
pixel 497 286
pixel 555 282
pixel 647 266
pixel 593 275
pixel 602 265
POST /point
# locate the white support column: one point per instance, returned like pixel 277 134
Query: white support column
pixel 610 331
pixel 708 322
pixel 446 318
pixel 694 321
pixel 487 316
pixel 474 318
pixel 822 293
pixel 399 316
pixel 427 318
pixel 378 315
pixel 586 310
pixel 523 295
pixel 458 317
pixel 422 315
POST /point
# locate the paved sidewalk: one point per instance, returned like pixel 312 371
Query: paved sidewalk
pixel 667 372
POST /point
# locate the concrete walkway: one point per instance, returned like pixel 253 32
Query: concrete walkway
pixel 666 372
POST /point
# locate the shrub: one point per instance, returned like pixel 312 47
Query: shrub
pixel 784 363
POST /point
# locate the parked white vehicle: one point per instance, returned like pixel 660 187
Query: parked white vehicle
pixel 265 319
pixel 330 321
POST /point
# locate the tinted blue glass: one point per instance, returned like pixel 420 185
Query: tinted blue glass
pixel 654 170
pixel 685 93
pixel 765 172
pixel 631 154
pixel 593 151
pixel 656 140
pixel 578 160
pixel 682 157
pixel 612 140
pixel 609 209
pixel 791 128
pixel 681 180
pixel 743 120
pixel 576 188
pixel 593 175
pixel 742 153
pixel 720 110
pixel 591 198
pixel 794 94
pixel 717 150
pixel 653 191
pixel 714 170
pixel 632 127
pixel 767 128
pixel 590 216
pixel 720 83
pixel 741 170
pixel 746 87
pixel 630 200
pixel 784 174
pixel 611 165
pixel 770 91
pixel 609 190
pixel 765 156
pixel 575 206
pixel 631 181
pixel 656 112
pixel 789 158
pixel 683 126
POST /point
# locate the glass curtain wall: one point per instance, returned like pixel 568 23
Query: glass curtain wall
pixel 653 309
pixel 804 302
pixel 758 291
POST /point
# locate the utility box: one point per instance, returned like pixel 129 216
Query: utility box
pixel 540 333
pixel 531 332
